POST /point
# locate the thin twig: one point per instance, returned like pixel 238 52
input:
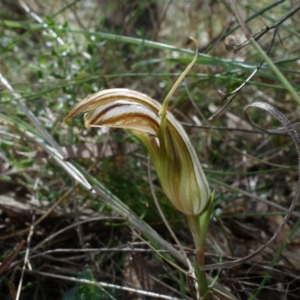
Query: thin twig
pixel 266 29
pixel 240 19
pixel 265 56
pixel 289 128
pixel 26 260
pixel 238 90
pixel 256 37
pixel 103 285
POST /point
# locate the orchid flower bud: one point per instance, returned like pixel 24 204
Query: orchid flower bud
pixel 174 158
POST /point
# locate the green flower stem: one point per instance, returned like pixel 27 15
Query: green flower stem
pixel 199 226
pixel 199 241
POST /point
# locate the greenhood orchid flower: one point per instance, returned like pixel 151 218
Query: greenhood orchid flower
pixel 171 151
pixel 170 148
pixel 174 158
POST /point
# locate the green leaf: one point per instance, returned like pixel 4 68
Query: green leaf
pixel 87 291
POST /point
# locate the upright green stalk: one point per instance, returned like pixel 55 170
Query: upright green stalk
pixel 199 247
pixel 199 225
pixel 274 68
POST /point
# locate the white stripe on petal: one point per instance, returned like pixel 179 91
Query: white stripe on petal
pixel 108 96
pixel 124 114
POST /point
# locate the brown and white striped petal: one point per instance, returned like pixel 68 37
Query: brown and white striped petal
pixel 103 97
pixel 124 114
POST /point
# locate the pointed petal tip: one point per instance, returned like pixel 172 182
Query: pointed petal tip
pixel 69 116
pixel 74 111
